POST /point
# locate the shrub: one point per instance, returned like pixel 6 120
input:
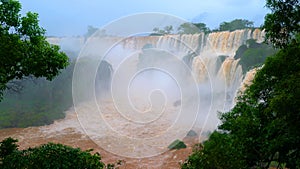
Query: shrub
pixel 46 156
pixel 177 144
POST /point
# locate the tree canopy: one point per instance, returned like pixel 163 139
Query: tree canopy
pixel 253 54
pixel 165 30
pixel 192 28
pixel 185 28
pixel 47 156
pixel 24 50
pixel 282 25
pixel 235 25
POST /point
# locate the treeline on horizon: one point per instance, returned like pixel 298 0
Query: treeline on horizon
pixel 186 28
pixel 193 28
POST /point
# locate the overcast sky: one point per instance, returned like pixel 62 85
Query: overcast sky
pixel 71 17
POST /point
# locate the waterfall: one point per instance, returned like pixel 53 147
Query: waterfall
pixel 210 58
pixel 158 87
pixel 212 62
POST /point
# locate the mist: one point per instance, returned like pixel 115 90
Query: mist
pixel 158 88
pixel 134 95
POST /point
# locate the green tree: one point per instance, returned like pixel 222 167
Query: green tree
pixel 202 27
pixel 236 24
pixel 165 30
pixel 47 156
pixel 268 112
pixel 253 54
pixel 264 125
pixel 24 50
pixel 187 28
pixel 216 153
pixel 283 23
pixel 192 28
pixel 168 29
pixel 7 147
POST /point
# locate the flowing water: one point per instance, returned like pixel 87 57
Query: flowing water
pixel 161 87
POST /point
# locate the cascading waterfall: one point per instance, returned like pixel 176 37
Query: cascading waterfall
pixel 165 101
pixel 209 56
pixel 219 75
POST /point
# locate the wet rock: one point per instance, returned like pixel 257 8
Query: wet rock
pixel 177 144
pixel 177 103
pixel 191 133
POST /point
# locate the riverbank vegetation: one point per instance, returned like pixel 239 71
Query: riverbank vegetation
pixel 262 130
